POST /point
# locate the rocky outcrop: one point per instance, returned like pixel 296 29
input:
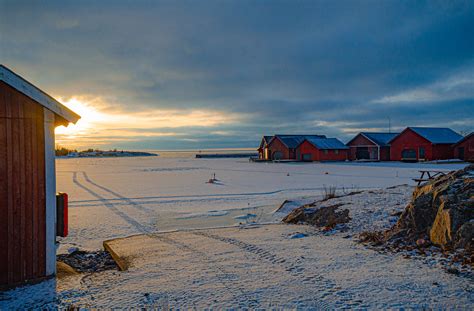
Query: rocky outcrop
pixel 328 216
pixel 84 261
pixel 442 211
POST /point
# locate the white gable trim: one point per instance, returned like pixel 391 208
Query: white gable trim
pixel 25 87
pixel 369 139
pixel 50 182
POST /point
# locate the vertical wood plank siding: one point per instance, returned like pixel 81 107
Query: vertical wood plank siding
pixel 22 188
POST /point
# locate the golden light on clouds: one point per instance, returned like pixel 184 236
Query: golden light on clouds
pixel 102 124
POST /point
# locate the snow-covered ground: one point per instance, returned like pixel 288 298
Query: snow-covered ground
pixel 119 197
pixel 111 198
pixel 264 266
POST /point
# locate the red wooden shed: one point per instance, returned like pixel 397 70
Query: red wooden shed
pixel 423 144
pixel 28 117
pixel 263 150
pixel 464 149
pixel 370 146
pixel 283 147
pixel 322 149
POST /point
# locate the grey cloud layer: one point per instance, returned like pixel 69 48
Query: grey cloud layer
pixel 288 66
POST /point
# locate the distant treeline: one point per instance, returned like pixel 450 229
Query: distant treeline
pixel 61 151
pixel 97 153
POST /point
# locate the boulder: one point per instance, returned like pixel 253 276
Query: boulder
pixel 296 216
pixel 328 216
pixel 465 235
pixel 441 210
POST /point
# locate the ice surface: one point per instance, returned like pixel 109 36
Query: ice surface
pixel 118 197
pixel 122 196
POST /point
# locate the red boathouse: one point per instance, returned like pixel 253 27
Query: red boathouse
pixel 370 146
pixel 263 150
pixel 464 149
pixel 283 147
pixel 423 144
pixel 322 149
pixel 28 117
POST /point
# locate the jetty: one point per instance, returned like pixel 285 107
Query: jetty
pixel 225 155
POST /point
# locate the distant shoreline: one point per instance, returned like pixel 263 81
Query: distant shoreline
pixel 108 154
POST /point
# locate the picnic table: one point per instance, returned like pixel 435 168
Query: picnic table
pixel 430 173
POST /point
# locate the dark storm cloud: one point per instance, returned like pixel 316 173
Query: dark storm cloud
pixel 287 66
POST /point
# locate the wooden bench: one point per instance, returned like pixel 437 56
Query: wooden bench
pixel 431 175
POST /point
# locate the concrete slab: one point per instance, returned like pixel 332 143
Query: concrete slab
pixel 263 266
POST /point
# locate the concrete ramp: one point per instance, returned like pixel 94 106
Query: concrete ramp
pixel 274 265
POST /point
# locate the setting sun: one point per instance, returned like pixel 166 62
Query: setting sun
pixel 89 117
pixel 102 123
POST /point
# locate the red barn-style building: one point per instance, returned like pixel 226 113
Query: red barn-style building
pixel 370 146
pixel 464 149
pixel 28 117
pixel 423 144
pixel 263 150
pixel 322 149
pixel 283 147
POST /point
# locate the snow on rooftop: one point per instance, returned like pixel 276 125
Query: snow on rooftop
pixel 438 135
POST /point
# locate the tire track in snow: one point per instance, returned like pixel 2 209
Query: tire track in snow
pixel 130 220
pixel 119 196
pixel 219 271
pixel 324 286
pixel 210 195
pixel 312 174
pixel 198 197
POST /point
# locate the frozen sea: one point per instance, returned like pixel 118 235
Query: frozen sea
pixel 113 197
pixel 158 201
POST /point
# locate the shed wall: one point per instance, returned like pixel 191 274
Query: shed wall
pixel 385 153
pixel 468 146
pixel 409 140
pixel 320 155
pixel 277 146
pixel 307 148
pixel 442 152
pixel 361 141
pixel 22 188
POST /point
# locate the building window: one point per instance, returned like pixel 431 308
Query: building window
pixel 421 153
pixel 336 151
pixel 325 151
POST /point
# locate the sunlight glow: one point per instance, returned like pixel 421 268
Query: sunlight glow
pixel 102 124
pixel 89 116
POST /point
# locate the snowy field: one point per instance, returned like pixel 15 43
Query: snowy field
pixel 264 266
pixel 111 198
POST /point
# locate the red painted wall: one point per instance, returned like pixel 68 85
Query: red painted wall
pixel 320 155
pixel 468 145
pixel 307 148
pixel 385 154
pixel 359 140
pixel 276 145
pixel 334 155
pixel 22 189
pixel 409 140
pixel 362 141
pixel 444 151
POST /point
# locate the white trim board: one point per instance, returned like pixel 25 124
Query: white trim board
pixel 50 182
pixel 25 87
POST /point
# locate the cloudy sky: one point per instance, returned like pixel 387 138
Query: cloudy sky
pixel 219 74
